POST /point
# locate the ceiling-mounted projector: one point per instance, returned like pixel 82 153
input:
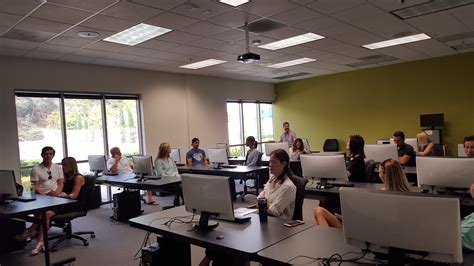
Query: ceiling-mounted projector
pixel 248 58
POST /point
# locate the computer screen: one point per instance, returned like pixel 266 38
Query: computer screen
pixel 408 221
pixel 412 142
pixel 223 146
pixel 380 152
pixel 175 155
pixel 461 151
pixel 271 146
pixel 323 167
pixel 445 172
pixel 209 196
pixel 217 156
pixel 7 183
pixel 432 120
pixel 306 144
pixel 143 165
pixel 97 163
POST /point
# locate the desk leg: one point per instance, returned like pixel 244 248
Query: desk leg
pixel 176 201
pixel 45 235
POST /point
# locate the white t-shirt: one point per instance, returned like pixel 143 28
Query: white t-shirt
pixel 281 198
pixel 40 174
pixel 123 167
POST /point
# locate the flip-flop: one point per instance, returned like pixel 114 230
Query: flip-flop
pixel 152 203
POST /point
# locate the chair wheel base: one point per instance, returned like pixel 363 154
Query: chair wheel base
pixel 86 243
pixel 93 236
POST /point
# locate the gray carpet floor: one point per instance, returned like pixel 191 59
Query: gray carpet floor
pixel 116 243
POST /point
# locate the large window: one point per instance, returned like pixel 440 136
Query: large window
pixel 75 125
pixel 248 119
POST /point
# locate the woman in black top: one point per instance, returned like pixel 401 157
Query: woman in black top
pixel 356 164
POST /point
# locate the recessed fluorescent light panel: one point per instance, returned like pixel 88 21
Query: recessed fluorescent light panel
pixel 292 41
pixel 234 2
pixel 137 34
pixel 397 41
pixel 293 62
pixel 204 63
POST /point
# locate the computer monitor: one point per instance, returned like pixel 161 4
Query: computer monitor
pixel 271 146
pixel 412 142
pixel 175 155
pixel 223 146
pixel 217 157
pixel 7 185
pixel 461 151
pixel 380 152
pixel 451 173
pixel 208 195
pixel 432 120
pixel 143 165
pixel 97 163
pixel 323 167
pixel 306 144
pixel 401 224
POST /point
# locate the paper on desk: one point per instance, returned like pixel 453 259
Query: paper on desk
pixel 241 212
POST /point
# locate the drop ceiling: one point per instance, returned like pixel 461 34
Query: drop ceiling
pixel 205 29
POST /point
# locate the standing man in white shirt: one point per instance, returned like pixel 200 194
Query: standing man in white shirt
pixel 287 135
pixel 122 165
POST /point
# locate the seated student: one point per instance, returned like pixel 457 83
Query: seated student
pixel 393 178
pixel 356 164
pixel 469 146
pixel 467 226
pixel 298 148
pixel 196 155
pixel 164 165
pixel 71 190
pixel 425 146
pixel 253 153
pixel 406 153
pixel 122 165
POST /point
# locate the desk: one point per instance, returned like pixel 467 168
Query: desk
pixel 243 240
pixel 129 181
pixel 315 242
pixel 42 204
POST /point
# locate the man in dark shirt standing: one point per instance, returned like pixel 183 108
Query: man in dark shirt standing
pixel 406 153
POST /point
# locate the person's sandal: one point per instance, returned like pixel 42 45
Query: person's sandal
pixel 39 247
pixel 152 203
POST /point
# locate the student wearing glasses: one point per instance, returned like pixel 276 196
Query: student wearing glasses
pixel 196 155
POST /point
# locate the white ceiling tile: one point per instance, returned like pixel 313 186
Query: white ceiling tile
pixel 266 8
pixel 201 9
pixel 91 53
pixel 178 37
pixel 330 7
pixel 355 37
pixel 91 5
pixel 8 20
pixel 231 36
pixel 207 43
pixel 157 45
pixel 204 29
pixel 283 33
pixel 359 12
pixel 433 48
pixel 52 48
pixel 215 55
pixel 131 11
pixel 42 25
pixel 12 52
pixel 402 52
pixel 171 21
pixel 105 46
pixel 295 16
pixel 439 24
pixel 171 56
pixel 71 41
pixel 73 32
pixel 298 49
pixel 60 14
pixel 43 55
pixel 77 58
pixel 17 44
pixel 464 14
pixel 122 57
pixel 231 48
pixel 107 62
pixel 133 50
pixel 317 24
pixel 161 4
pixel 148 60
pixel 19 7
pixel 185 49
pixel 233 19
pixel 102 22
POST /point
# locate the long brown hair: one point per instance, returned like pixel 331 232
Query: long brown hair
pixel 71 164
pixel 294 148
pixel 395 179
pixel 283 156
pixel 164 151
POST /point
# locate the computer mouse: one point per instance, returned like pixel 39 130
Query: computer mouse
pixel 220 237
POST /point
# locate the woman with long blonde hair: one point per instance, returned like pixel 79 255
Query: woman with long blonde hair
pixel 425 146
pixel 164 165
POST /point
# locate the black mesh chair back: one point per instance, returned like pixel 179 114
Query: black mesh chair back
pixel 300 184
pixel 331 145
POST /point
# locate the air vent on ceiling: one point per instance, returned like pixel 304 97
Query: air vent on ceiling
pixel 372 59
pixel 28 35
pixel 456 37
pixel 295 75
pixel 428 8
pixel 263 25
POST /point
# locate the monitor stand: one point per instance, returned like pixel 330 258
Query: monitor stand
pixel 204 225
pixel 3 199
pixel 217 165
pixel 324 183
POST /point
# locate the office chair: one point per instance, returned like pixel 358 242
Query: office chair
pixel 252 176
pixel 369 170
pixel 65 220
pixel 331 145
pixel 300 184
pixel 438 150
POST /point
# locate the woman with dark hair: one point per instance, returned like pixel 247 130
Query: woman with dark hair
pixel 298 149
pixel 280 191
pixel 356 164
pixel 253 153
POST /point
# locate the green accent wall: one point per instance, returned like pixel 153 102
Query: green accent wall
pixel 376 102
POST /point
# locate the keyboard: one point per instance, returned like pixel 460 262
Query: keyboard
pixel 109 173
pixel 180 164
pixel 341 184
pixel 229 166
pixel 152 177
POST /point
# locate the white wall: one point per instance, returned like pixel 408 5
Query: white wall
pixel 176 107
